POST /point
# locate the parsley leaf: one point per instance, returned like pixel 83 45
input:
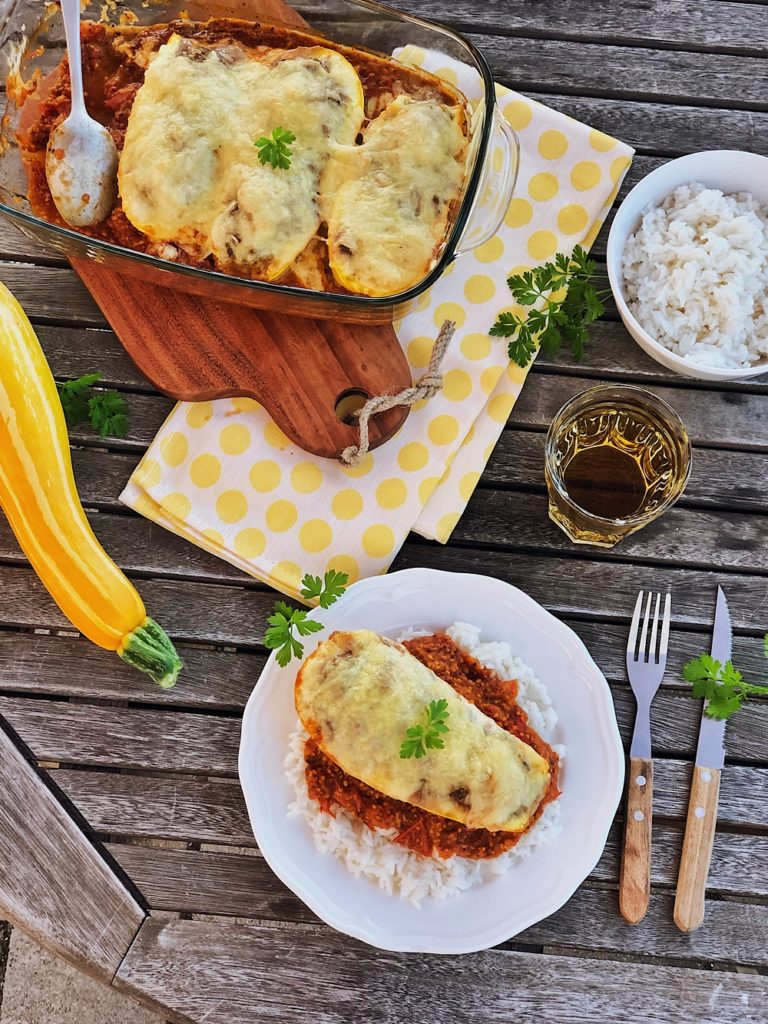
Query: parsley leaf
pixel 722 686
pixel 106 411
pixel 74 400
pixel 286 622
pixel 276 149
pixel 556 317
pixel 420 738
pixel 280 636
pixel 327 590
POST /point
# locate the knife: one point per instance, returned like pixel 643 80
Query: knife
pixel 705 788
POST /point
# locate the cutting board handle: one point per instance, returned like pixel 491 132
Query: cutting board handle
pixel 196 349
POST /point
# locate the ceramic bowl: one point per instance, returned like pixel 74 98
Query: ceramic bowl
pixel 728 170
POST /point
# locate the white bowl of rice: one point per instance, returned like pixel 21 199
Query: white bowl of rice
pixel 688 264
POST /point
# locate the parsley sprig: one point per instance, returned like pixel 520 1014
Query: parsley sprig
pixel 420 738
pixel 106 411
pixel 723 686
pixel 281 637
pixel 276 148
pixel 326 590
pixel 554 320
pixel 287 624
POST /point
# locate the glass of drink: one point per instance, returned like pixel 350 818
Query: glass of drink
pixel 616 458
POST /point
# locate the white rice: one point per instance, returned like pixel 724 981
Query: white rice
pixel 371 854
pixel 696 276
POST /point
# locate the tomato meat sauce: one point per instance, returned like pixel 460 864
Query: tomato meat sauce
pixel 419 830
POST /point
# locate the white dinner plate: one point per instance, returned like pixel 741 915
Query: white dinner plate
pixel 591 779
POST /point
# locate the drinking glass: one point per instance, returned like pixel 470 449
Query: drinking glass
pixel 616 458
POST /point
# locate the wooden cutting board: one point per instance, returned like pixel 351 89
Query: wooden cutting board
pixel 196 349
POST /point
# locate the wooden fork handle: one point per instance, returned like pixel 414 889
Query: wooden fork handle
pixel 635 878
pixel 697 848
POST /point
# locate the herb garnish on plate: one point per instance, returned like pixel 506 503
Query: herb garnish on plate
pixel 106 411
pixel 420 738
pixel 286 622
pixel 568 303
pixel 276 149
pixel 721 685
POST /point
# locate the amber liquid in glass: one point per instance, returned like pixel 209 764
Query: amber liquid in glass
pixel 606 482
pixel 616 457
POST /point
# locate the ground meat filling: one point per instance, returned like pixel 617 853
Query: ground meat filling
pixel 418 829
pixel 113 58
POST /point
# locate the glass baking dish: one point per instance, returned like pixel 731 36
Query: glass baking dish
pixel 32 44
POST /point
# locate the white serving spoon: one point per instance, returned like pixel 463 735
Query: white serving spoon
pixel 81 159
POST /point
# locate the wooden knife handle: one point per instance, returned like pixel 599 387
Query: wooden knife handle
pixel 697 848
pixel 635 878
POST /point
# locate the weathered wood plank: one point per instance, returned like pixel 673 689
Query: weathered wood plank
pixel 69 666
pixel 570 586
pixel 211 613
pixel 191 966
pixel 73 351
pixel 243 886
pixel 19 247
pixel 677 24
pixel 51 292
pixel 681 536
pixel 42 853
pixel 231 884
pixel 586 69
pixel 162 807
pixel 125 737
pixel 732 932
pixel 660 128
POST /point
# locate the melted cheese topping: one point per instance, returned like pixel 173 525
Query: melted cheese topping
pixel 190 171
pixel 358 693
pixel 387 201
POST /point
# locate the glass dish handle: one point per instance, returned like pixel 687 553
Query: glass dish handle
pixel 496 186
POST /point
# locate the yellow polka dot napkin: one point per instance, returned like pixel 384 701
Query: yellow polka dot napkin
pixel 224 476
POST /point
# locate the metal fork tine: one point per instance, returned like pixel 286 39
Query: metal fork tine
pixel 632 641
pixel 665 628
pixel 654 631
pixel 641 650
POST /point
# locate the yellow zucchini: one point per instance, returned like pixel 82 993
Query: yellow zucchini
pixel 39 497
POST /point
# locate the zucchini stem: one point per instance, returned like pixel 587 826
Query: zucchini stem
pixel 149 649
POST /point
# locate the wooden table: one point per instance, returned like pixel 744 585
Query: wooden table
pixel 151 775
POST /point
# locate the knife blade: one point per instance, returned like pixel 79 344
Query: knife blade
pixel 705 789
pixel 710 751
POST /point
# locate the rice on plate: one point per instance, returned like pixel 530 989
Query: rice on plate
pixel 696 276
pixel 372 854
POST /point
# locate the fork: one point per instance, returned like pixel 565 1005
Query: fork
pixel 646 661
